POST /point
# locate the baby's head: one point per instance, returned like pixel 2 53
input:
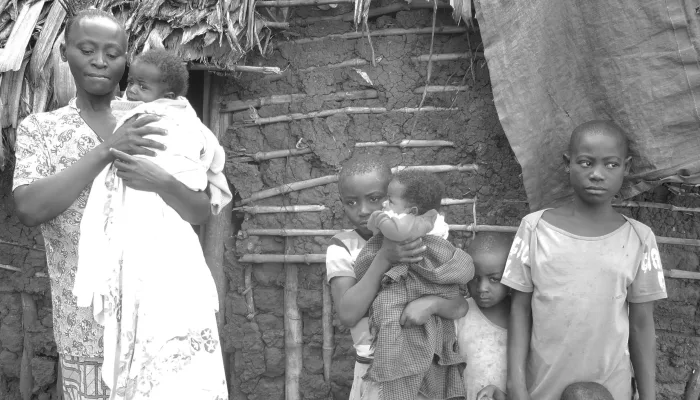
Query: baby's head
pixel 414 192
pixel 362 185
pixel 597 161
pixel 489 250
pixel 586 391
pixel 157 74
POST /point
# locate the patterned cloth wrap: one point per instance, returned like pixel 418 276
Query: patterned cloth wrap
pixel 409 360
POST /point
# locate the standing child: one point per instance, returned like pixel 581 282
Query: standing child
pixel 362 184
pixel 482 334
pixel 141 265
pixel 585 279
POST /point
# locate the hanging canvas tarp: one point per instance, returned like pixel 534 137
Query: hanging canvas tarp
pixel 555 64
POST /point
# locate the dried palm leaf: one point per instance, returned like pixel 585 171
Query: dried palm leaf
pixel 160 31
pixel 43 46
pixel 63 83
pixel 14 80
pixel 3 6
pixel 26 99
pixel 15 9
pixel 4 20
pixel 462 10
pixel 42 91
pixel 210 37
pixel 193 31
pixel 5 33
pixel 12 55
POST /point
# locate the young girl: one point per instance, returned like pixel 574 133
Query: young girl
pixel 585 278
pixel 482 334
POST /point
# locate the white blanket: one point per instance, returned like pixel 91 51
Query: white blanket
pixel 140 264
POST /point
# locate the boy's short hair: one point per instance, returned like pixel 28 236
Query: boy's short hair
pixel 601 127
pixel 421 189
pixel 586 391
pixel 491 242
pixel 361 164
pixel 173 71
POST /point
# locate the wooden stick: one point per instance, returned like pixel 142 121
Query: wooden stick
pixel 277 25
pixel 451 202
pixel 292 232
pixel 484 228
pixel 345 110
pixel 445 30
pixel 447 57
pixel 218 227
pixel 24 246
pixel 291 187
pixel 280 209
pixel 317 208
pixel 407 143
pixel 679 241
pixel 268 155
pixel 295 3
pixel 293 331
pixel 662 206
pixel 681 274
pixel 249 300
pixel 692 391
pixel 283 258
pixel 239 105
pixel 356 62
pixel 10 268
pixel 373 12
pixel 440 89
pixel 327 319
pixel 236 68
pixel 324 180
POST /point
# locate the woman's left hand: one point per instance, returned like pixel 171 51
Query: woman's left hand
pixel 140 173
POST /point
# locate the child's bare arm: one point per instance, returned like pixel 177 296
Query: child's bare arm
pixel 353 298
pixel 643 348
pixel 519 332
pixel 418 311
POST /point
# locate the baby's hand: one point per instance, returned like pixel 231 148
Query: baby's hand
pixel 490 392
pixel 417 312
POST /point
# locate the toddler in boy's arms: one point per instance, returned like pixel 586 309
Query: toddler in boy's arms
pixel 585 279
pixel 362 186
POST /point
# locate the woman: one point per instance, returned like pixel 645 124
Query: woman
pixel 59 154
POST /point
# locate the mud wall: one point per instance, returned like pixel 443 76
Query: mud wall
pixel 254 341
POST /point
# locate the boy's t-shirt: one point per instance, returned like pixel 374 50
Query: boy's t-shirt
pixel 580 289
pixel 340 261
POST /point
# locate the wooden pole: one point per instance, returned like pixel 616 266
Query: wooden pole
pixel 268 155
pixel 356 62
pixel 240 105
pixel 293 331
pixel 236 68
pixel 324 180
pixel 446 30
pixel 248 292
pixel 218 228
pixel 661 206
pixel 280 209
pixel 296 3
pixel 373 12
pixel 327 320
pixel 692 391
pixel 282 258
pixel 440 89
pixel 345 110
pixel 407 143
pixel 447 57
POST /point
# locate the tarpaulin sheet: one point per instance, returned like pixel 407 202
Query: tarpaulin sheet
pixel 555 64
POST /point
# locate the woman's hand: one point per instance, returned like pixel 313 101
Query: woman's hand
pixel 140 173
pixel 129 138
pixel 406 252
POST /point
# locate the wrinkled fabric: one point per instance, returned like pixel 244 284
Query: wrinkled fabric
pixel 555 64
pixel 416 359
pixel 142 269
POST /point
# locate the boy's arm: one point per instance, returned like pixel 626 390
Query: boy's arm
pixel 519 332
pixel 643 348
pixel 418 311
pixel 353 298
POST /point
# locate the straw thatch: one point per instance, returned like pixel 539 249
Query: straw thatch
pixel 32 78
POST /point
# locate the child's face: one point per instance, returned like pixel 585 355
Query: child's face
pixel 395 201
pixel 597 166
pixel 145 83
pixel 361 196
pixel 486 287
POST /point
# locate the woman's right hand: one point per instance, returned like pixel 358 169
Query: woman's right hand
pixel 406 252
pixel 129 138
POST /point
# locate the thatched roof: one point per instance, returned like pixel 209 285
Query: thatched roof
pixel 218 32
